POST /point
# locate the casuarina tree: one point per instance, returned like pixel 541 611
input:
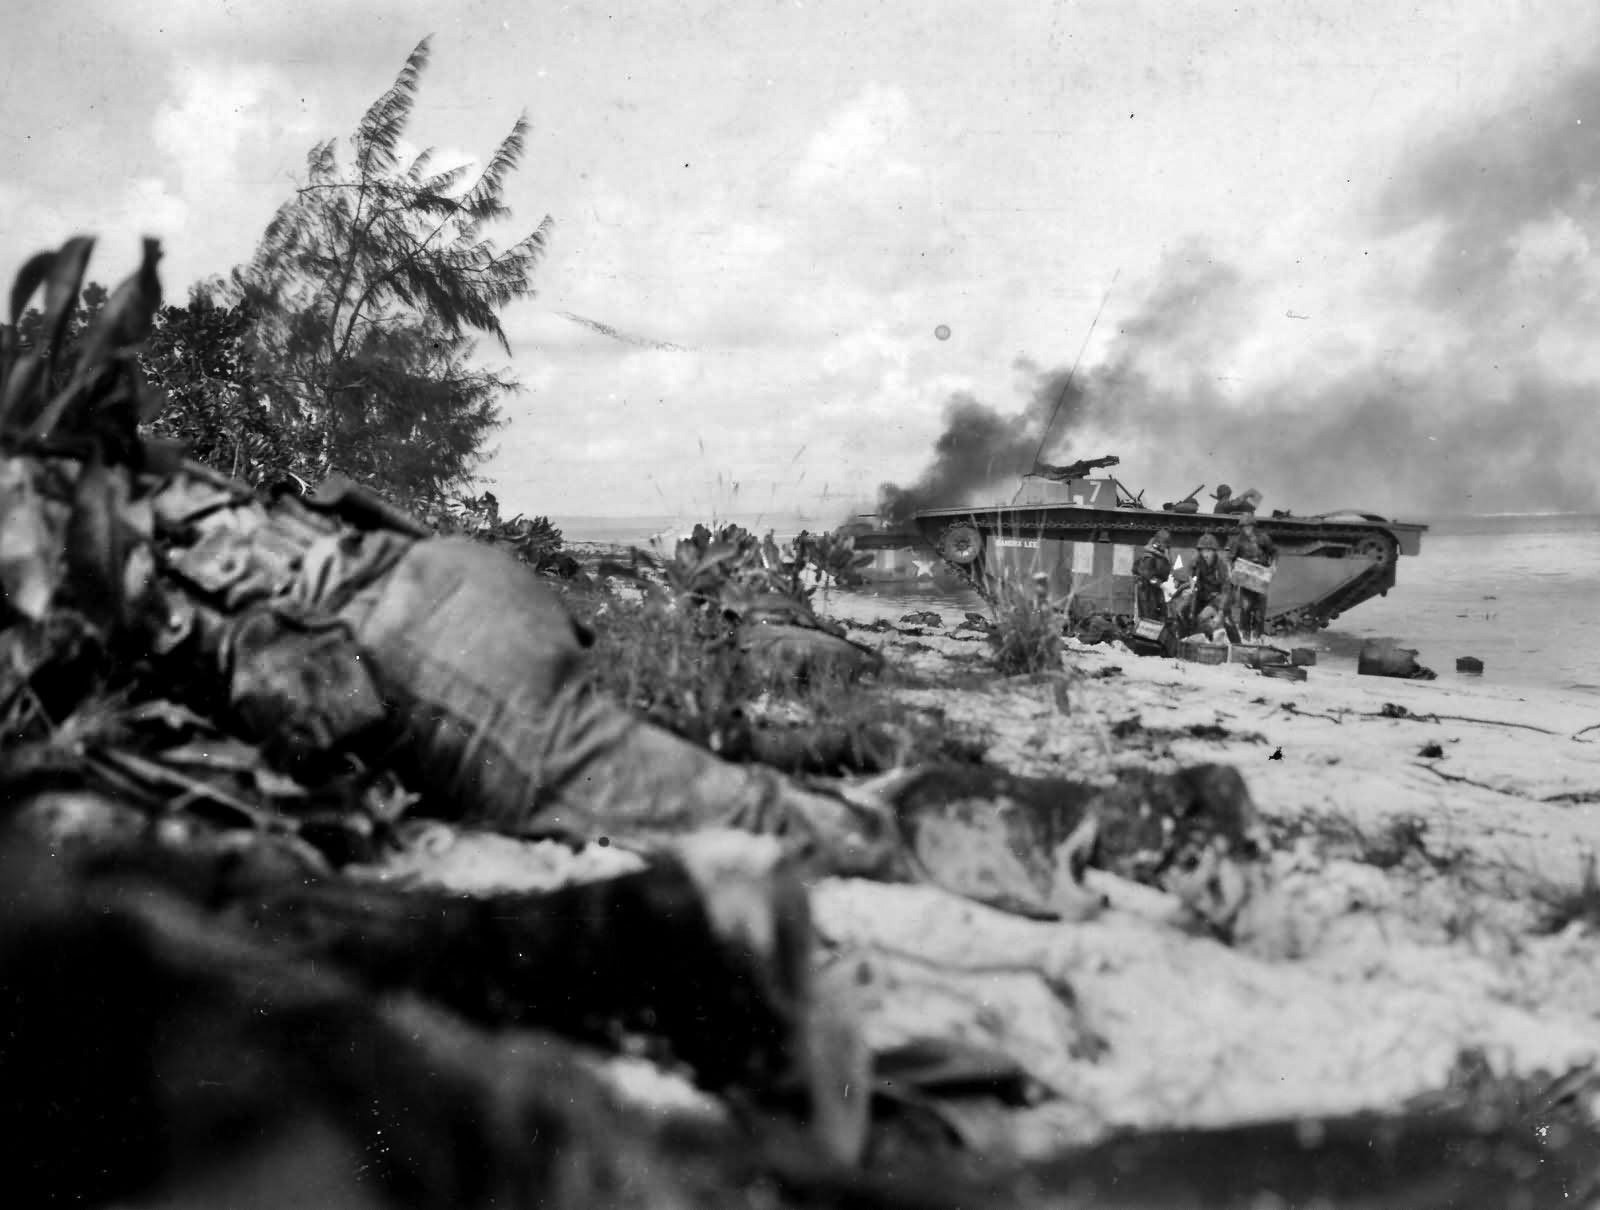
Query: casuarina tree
pixel 369 287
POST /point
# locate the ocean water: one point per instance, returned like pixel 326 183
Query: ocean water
pixel 1519 592
pixel 642 530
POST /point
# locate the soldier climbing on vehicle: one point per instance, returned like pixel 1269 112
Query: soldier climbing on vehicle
pixel 1230 505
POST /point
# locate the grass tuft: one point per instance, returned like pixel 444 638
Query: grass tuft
pixel 1026 637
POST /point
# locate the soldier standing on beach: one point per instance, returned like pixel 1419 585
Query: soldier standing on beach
pixel 1211 588
pixel 1256 547
pixel 1150 571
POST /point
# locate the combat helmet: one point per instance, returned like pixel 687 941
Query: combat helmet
pixel 1208 541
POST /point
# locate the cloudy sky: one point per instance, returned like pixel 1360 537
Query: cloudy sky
pixel 1344 249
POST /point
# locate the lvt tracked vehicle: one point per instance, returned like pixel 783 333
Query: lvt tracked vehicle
pixel 1082 532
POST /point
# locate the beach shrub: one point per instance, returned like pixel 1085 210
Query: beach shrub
pixel 677 660
pixel 728 565
pixel 1026 637
pixel 532 540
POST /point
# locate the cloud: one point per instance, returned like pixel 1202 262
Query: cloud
pixel 855 142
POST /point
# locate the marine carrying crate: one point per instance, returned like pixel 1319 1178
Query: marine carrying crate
pixel 1148 628
pixel 1253 576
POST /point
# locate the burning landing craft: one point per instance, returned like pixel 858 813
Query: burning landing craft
pixel 1082 532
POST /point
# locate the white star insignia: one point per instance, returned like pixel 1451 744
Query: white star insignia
pixel 923 568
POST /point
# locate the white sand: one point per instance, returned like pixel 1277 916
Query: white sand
pixel 1351 986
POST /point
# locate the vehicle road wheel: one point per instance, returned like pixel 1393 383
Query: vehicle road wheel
pixel 961 544
pixel 1380 550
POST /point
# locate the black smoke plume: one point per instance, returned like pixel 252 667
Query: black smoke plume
pixel 1455 379
pixel 982 447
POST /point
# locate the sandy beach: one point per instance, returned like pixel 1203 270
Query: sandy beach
pixel 1428 839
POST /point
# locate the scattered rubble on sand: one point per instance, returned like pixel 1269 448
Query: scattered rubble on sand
pixel 353 865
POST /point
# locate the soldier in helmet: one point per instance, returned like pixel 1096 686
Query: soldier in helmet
pixel 1211 588
pixel 1150 570
pixel 1229 504
pixel 1251 544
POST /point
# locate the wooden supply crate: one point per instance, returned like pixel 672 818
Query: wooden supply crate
pixel 1254 576
pixel 1206 653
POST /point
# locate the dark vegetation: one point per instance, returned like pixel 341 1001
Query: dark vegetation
pixel 345 346
pixel 674 652
pixel 1026 636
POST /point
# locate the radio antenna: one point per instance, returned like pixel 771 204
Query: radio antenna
pixel 1073 373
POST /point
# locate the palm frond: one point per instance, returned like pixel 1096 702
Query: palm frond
pixel 420 165
pixel 506 157
pixel 379 131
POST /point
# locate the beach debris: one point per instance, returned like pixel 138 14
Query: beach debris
pixel 1294 708
pixel 1216 731
pixel 1467 781
pixel 1395 710
pixel 1283 672
pixel 1123 728
pixel 1383 657
pixel 1431 750
pixel 876 625
pixel 1469 663
pixel 924 617
pixel 1303 657
pixel 1157 828
pixel 1277 754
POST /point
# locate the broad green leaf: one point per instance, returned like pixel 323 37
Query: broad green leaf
pixel 29 554
pixel 61 292
pixel 29 278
